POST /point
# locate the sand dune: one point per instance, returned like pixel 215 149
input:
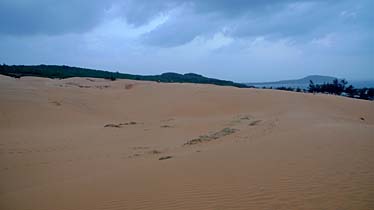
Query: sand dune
pixel 85 144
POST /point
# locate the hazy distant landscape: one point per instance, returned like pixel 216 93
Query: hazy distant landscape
pixel 313 84
pixel 303 83
pixel 297 83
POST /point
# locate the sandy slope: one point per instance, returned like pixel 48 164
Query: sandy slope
pixel 94 144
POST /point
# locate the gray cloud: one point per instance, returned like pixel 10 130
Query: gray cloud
pixel 24 17
pixel 231 39
pixel 298 19
pixel 183 28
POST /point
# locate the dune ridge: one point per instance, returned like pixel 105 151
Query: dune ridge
pixel 84 143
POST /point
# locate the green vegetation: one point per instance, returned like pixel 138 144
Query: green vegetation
pixel 340 88
pixel 336 87
pixel 62 72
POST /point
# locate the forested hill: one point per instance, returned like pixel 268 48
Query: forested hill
pixel 62 72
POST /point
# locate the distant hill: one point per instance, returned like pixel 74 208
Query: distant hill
pixel 62 72
pixel 301 83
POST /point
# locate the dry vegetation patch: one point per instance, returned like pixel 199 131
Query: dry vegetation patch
pixel 165 157
pixel 211 137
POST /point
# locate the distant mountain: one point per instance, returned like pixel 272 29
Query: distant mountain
pixel 301 83
pixel 62 72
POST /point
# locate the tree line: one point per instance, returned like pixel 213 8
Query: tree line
pixel 63 72
pixel 339 87
pixel 336 87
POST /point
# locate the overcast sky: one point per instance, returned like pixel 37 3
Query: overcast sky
pixel 240 40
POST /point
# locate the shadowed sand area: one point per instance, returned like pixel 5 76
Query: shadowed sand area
pixel 87 144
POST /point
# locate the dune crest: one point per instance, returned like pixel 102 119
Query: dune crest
pixel 83 143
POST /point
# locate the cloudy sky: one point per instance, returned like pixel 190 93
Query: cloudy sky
pixel 240 40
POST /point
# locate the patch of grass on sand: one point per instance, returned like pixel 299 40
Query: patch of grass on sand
pixel 214 136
